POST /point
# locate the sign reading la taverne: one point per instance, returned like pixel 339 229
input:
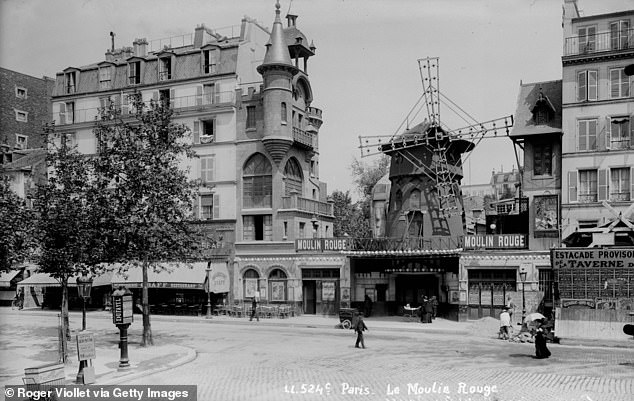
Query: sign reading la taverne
pixel 500 241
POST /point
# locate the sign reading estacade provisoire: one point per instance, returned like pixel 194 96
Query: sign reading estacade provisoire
pixel 595 258
pixel 323 244
pixel 500 241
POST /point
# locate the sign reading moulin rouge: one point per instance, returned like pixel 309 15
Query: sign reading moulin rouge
pixel 501 241
pixel 322 244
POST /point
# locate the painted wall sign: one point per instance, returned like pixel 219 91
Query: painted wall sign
pixel 322 244
pixel 501 241
pixel 595 258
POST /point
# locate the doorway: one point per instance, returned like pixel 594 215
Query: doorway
pixel 309 290
pixel 410 288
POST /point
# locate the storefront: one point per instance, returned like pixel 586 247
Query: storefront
pixel 490 270
pixel 8 286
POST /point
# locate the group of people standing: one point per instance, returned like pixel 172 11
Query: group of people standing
pixel 506 329
pixel 429 309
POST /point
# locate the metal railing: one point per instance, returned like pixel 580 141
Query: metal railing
pixel 407 244
pixel 588 198
pixel 179 104
pixel 619 196
pixel 171 42
pixel 622 143
pixel 303 137
pixel 296 202
pixel 599 42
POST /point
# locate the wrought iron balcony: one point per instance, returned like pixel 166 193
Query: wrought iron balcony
pixel 622 143
pixel 588 198
pixel 296 202
pixel 599 42
pixel 619 196
pixel 412 244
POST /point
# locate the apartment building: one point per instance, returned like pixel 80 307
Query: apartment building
pixel 245 94
pixel 598 140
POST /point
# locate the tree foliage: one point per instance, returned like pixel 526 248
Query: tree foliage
pixel 142 180
pixel 17 236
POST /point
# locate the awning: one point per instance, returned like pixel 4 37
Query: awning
pixel 179 275
pixel 45 280
pixel 6 277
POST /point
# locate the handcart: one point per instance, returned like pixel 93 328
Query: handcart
pixel 410 313
pixel 348 317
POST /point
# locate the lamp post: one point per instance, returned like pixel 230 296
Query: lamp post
pixel 208 316
pixel 523 278
pixel 84 285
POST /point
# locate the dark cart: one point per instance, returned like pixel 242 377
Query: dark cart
pixel 348 317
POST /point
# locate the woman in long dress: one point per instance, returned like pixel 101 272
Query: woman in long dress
pixel 541 351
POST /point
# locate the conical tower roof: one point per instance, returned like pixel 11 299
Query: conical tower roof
pixel 276 49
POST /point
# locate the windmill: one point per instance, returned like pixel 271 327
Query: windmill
pixel 426 162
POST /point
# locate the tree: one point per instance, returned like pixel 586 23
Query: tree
pixel 349 219
pixel 148 193
pixel 17 236
pixel 65 225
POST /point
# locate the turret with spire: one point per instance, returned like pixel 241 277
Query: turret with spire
pixel 277 70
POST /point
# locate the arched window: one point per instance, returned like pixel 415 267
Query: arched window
pixel 293 180
pixel 284 112
pixel 414 200
pixel 398 200
pixel 257 182
pixel 251 280
pixel 277 285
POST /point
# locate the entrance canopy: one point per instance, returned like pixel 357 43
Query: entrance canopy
pixel 45 280
pixel 176 275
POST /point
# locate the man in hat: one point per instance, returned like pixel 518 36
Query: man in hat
pixel 359 328
pixel 505 323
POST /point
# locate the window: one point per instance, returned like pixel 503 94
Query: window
pixel 210 61
pixel 414 200
pixel 21 116
pixel 619 34
pixel 207 164
pixel 21 141
pixel 209 206
pixel 70 81
pixel 293 181
pixel 302 230
pixel 546 279
pixel 541 116
pixel 257 228
pixel 257 182
pixel 20 92
pixel 620 184
pixel 620 133
pixel 587 39
pixel 277 285
pixel 165 68
pixel 587 134
pixel 312 168
pixel 105 77
pixel 208 131
pixel 542 159
pixel 69 140
pixel 209 94
pixel 251 280
pixel 619 83
pixel 586 85
pixel 284 112
pixel 134 69
pixel 250 117
pixel 587 186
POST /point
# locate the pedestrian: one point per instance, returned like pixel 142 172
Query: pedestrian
pixel 434 306
pixel 359 328
pixel 505 324
pixel 367 306
pixel 541 350
pixel 428 310
pixel 510 306
pixel 423 301
pixel 254 310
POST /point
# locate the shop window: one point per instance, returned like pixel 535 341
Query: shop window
pixel 251 280
pixel 277 285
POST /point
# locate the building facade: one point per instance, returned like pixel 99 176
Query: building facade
pixel 598 141
pixel 26 107
pixel 245 95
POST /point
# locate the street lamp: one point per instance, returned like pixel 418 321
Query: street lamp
pixel 84 285
pixel 523 278
pixel 208 290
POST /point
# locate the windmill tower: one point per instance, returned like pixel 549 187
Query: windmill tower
pixel 426 163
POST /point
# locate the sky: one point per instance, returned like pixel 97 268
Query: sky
pixel 365 75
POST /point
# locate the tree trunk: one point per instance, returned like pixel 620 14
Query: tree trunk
pixel 147 327
pixel 65 322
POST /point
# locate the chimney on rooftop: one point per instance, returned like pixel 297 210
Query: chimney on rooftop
pixel 140 47
pixel 199 33
pixel 112 41
pixel 291 20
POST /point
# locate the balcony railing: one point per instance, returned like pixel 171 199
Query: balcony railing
pixel 599 42
pixel 295 202
pixel 587 198
pixel 303 137
pixel 179 104
pixel 407 244
pixel 619 196
pixel 257 202
pixel 623 143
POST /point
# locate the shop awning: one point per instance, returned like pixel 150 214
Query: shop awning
pixel 6 277
pixel 45 280
pixel 181 275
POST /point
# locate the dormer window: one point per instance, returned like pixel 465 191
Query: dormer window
pixel 105 77
pixel 210 61
pixel 134 72
pixel 70 81
pixel 165 68
pixel 543 111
